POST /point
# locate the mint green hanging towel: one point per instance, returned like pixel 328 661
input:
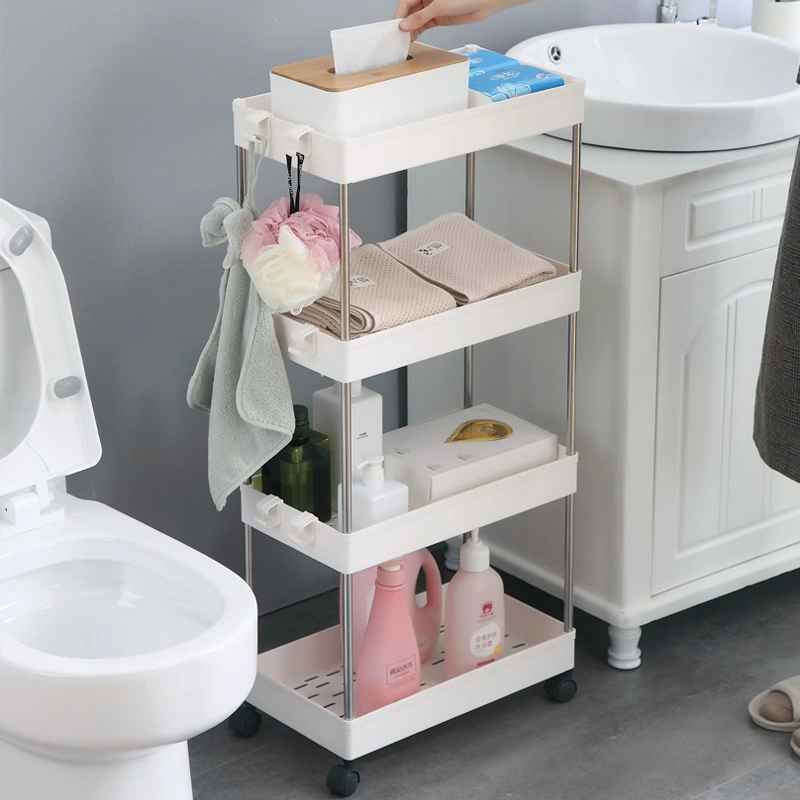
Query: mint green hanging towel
pixel 240 378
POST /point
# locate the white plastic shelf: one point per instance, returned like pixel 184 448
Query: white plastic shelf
pixel 349 160
pixel 425 338
pixel 435 522
pixel 301 684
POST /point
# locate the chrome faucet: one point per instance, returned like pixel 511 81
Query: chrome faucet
pixel 667 11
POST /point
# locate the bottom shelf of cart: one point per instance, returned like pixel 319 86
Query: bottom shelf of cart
pixel 300 684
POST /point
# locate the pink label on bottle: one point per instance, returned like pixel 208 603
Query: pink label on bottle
pixel 487 611
pixel 401 671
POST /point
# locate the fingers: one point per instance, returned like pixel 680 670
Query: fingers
pixel 464 19
pixel 406 7
pixel 420 17
pixel 417 33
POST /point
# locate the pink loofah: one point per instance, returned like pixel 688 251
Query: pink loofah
pixel 292 258
pixel 315 225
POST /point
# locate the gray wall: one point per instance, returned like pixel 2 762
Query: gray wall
pixel 116 127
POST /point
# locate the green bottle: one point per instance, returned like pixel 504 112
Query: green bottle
pixel 300 474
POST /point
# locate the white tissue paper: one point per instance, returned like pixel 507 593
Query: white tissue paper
pixel 369 46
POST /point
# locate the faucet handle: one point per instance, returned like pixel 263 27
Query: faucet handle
pixel 667 11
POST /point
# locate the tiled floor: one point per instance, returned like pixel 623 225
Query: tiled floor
pixel 675 729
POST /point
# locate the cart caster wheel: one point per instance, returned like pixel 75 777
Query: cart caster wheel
pixel 343 780
pixel 561 688
pixel 245 721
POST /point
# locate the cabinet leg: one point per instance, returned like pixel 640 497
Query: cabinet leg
pixel 624 652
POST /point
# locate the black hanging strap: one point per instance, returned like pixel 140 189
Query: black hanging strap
pixel 294 202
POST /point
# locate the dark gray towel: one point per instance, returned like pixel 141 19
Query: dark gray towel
pixel 777 415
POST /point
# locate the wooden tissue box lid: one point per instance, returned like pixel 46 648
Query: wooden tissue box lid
pixel 318 72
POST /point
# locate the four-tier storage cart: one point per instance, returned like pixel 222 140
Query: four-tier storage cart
pixel 306 684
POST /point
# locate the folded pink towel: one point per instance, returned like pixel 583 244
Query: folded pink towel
pixel 383 294
pixel 467 260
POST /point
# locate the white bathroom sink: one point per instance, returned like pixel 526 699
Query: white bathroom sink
pixel 676 88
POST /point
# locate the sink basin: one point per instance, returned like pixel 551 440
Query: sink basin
pixel 676 88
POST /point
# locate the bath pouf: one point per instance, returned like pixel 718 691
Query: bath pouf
pixel 293 259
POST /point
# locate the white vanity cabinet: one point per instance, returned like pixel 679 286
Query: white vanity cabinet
pixel 716 504
pixel 675 506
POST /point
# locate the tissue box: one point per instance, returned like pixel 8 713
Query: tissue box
pixel 482 61
pixel 429 83
pixel 461 450
pixel 509 82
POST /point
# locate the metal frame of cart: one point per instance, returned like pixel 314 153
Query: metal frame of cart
pixel 306 684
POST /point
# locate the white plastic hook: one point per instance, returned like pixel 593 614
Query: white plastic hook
pixel 305 529
pixel 300 138
pixel 303 342
pixel 258 127
pixel 269 509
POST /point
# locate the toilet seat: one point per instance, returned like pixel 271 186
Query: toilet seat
pixel 81 701
pixel 38 340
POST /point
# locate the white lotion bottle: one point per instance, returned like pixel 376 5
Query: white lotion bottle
pixel 474 613
pixel 375 497
pixel 366 421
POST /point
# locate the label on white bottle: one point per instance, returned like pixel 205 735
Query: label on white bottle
pixel 402 671
pixel 486 641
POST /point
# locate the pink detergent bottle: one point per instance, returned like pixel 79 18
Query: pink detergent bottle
pixel 425 618
pixel 389 664
pixel 474 617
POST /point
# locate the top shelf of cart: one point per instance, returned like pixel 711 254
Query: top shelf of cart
pixel 350 160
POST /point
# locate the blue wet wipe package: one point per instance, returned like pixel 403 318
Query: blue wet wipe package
pixel 482 61
pixel 514 81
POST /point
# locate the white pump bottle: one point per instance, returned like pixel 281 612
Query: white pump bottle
pixel 474 613
pixel 366 414
pixel 375 498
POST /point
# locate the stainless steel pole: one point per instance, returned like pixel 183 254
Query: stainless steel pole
pixel 346 505
pixel 469 210
pixel 241 193
pixel 571 376
pixel 469 352
pixel 241 174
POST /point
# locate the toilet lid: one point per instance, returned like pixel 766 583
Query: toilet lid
pixel 47 426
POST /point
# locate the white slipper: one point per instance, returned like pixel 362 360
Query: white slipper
pixel 791 688
pixel 795 742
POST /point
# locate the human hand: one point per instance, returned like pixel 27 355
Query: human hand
pixel 420 15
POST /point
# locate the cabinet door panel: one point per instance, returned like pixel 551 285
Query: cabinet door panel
pixel 716 504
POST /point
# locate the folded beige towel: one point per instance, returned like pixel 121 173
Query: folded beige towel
pixel 384 294
pixel 467 260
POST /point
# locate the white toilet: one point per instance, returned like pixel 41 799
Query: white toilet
pixel 117 642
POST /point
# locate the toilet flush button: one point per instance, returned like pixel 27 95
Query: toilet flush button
pixel 66 387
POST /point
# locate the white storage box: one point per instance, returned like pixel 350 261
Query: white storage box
pixel 430 83
pixel 462 450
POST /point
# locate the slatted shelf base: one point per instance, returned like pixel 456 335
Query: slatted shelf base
pixel 301 684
